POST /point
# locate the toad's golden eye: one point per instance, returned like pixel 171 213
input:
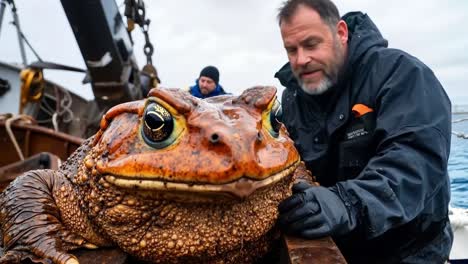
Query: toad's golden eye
pixel 158 125
pixel 276 116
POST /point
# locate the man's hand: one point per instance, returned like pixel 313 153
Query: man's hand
pixel 314 211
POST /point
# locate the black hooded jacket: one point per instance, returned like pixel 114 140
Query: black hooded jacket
pixel 389 165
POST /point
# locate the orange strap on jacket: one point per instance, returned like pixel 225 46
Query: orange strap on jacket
pixel 361 109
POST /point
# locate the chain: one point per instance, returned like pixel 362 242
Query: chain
pixel 148 48
pixel 135 11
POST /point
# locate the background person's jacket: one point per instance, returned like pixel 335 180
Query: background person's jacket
pixel 389 165
pixel 195 91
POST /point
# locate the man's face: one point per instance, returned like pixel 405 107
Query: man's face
pixel 315 51
pixel 207 85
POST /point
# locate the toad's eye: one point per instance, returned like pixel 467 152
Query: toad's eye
pixel 276 116
pixel 273 118
pixel 158 126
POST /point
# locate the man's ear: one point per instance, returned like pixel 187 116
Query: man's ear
pixel 342 31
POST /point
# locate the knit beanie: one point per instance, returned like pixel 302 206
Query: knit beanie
pixel 210 72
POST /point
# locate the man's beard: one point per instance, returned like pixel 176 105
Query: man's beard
pixel 325 84
pixel 330 77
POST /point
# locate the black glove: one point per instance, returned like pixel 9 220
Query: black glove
pixel 314 211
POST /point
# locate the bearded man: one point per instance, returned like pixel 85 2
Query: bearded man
pixel 373 124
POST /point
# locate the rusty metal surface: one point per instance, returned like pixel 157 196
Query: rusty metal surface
pixel 322 250
pixel 298 251
pixel 99 256
pixel 34 139
pixel 39 161
pixel 102 256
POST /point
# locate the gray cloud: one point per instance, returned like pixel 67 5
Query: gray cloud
pixel 242 39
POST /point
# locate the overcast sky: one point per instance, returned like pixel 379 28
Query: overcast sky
pixel 243 40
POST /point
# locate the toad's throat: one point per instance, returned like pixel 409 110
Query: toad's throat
pixel 240 188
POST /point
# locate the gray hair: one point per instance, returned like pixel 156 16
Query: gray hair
pixel 325 8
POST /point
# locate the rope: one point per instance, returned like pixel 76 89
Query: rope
pixel 8 123
pixel 65 106
pixel 54 121
pixel 62 109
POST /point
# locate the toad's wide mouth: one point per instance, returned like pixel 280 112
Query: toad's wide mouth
pixel 241 188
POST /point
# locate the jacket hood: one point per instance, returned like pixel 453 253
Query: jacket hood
pixel 363 35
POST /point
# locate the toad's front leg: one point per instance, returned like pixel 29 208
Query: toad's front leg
pixel 40 218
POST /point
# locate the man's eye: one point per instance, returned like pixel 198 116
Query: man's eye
pixel 311 45
pixel 290 50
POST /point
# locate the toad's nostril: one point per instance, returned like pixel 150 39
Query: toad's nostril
pixel 214 138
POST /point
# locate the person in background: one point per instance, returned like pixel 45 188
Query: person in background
pixel 373 125
pixel 207 84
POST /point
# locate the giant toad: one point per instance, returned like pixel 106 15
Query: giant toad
pixel 171 178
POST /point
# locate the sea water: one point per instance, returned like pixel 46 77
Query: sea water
pixel 458 163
